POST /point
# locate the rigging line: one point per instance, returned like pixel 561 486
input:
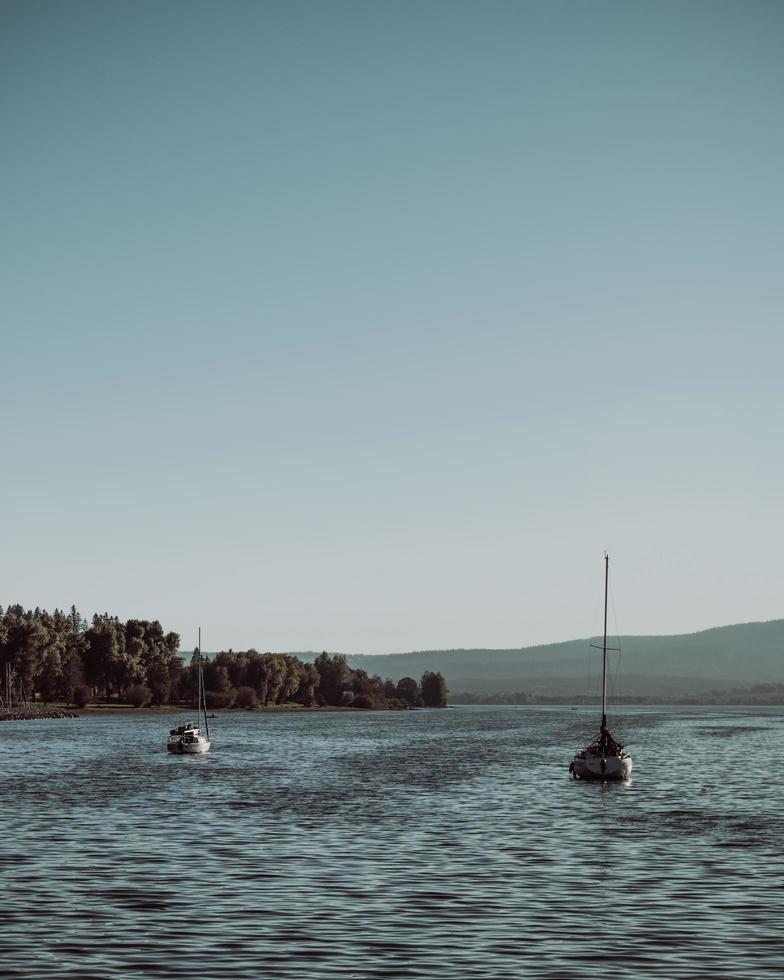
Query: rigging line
pixel 618 669
pixel 615 614
pixel 588 676
pixel 617 680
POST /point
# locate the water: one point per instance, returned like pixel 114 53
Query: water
pixel 439 844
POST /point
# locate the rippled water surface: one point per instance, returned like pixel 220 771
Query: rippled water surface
pixel 445 844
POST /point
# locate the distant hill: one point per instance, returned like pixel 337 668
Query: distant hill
pixel 694 663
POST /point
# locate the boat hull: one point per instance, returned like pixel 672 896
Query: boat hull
pixel 603 768
pixel 179 747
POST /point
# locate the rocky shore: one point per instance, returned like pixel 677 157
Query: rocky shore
pixel 32 714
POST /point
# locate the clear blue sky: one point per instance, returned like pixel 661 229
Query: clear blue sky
pixel 369 326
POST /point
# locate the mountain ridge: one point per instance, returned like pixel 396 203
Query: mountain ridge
pixel 718 657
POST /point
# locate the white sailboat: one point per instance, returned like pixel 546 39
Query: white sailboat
pixel 605 758
pixel 188 739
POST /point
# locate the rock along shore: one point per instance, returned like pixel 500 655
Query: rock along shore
pixel 32 714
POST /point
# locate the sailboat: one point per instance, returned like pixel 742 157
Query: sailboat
pixel 605 758
pixel 188 739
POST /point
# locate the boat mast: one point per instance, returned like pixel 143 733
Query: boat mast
pixel 202 694
pixel 604 642
pixel 198 679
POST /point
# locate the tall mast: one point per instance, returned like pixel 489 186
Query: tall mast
pixel 198 681
pixel 604 642
pixel 202 694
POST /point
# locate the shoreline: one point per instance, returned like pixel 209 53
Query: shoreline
pixel 58 711
pixel 178 709
pixel 64 713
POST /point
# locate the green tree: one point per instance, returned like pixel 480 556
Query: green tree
pixel 25 646
pixel 80 696
pixel 138 695
pixel 78 625
pixel 334 677
pixel 219 679
pixel 256 674
pixel 292 678
pixel 408 691
pixel 306 692
pixel 101 653
pixel 433 689
pixel 47 679
pixel 72 672
pixel 275 678
pixel 245 697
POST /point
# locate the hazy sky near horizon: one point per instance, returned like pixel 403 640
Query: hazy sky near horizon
pixel 370 326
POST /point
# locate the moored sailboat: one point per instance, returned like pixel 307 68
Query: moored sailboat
pixel 605 758
pixel 188 739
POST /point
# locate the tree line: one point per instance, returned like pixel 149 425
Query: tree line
pixel 248 678
pixel 62 657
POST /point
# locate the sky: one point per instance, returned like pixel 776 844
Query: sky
pixel 370 326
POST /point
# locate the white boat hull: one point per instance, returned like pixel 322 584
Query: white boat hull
pixel 180 747
pixel 586 765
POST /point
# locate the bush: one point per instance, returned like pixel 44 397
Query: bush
pixel 219 699
pixel 362 701
pixel 80 696
pixel 246 698
pixel 138 695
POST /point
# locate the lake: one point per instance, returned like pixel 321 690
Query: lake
pixel 431 844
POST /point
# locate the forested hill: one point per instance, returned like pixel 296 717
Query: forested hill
pixel 693 663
